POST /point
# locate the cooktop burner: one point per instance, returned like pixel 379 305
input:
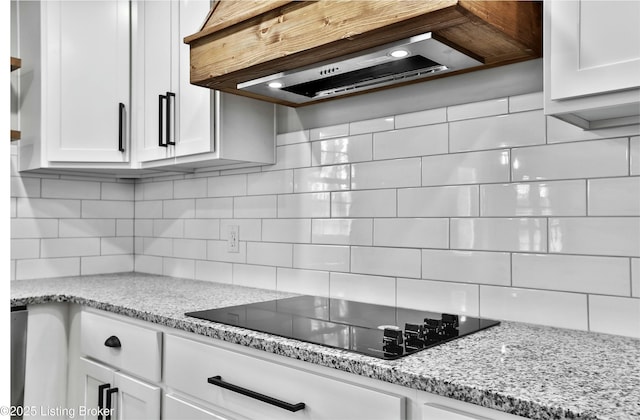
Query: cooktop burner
pixel 381 331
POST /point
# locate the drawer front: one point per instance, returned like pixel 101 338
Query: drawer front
pixel 189 364
pixel 140 348
pixel 176 408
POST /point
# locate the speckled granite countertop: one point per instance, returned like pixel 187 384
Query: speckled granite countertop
pixel 532 371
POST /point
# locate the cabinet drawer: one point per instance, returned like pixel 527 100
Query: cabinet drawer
pixel 140 348
pixel 177 408
pixel 189 365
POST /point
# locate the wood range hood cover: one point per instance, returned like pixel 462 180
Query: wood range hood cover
pixel 245 40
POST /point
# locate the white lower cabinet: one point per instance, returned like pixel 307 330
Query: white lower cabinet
pixel 435 407
pixel 179 408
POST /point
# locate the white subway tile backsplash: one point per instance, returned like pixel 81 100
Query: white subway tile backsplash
pixel 254 276
pixel 342 150
pixel 69 247
pixel 634 155
pixel 257 206
pixel 500 234
pixel 614 315
pixel 398 262
pixel 24 248
pixel 570 273
pixel 526 102
pixel 374 203
pixel 190 188
pixel 273 254
pixel 116 245
pixel 106 264
pixel 190 248
pixel 227 186
pixel 413 119
pixel 589 159
pixel 217 251
pixel 148 210
pixel 34 228
pixel 214 208
pixel 411 233
pixel 59 188
pixel 143 227
pixel 178 267
pixel 478 109
pixel 322 133
pixel 292 138
pixel 52 208
pixel 553 198
pixel 160 247
pixel 87 227
pixel 168 228
pixel 162 190
pixel 614 196
pixel 635 277
pixel 25 187
pixel 179 209
pixel 560 131
pixel 321 257
pixel 286 230
pixel 371 126
pixel 439 296
pixel 615 236
pixel 561 309
pixel 466 168
pixel 214 271
pixel 439 201
pixel 276 182
pixel 467 266
pixel 97 209
pixel 147 264
pixel 248 229
pixel 117 191
pixel 342 231
pixel 202 229
pixel 322 178
pixel 308 282
pixel 511 130
pixel 304 205
pixel 291 156
pixel 385 174
pixel 47 267
pixel 13 208
pixel 363 288
pixel 410 142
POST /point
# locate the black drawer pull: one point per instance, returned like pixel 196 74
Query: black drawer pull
pixel 217 380
pixel 113 342
pixel 161 98
pixel 108 407
pixel 121 123
pixel 101 390
pixel 169 137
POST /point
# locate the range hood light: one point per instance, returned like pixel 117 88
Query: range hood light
pixel 275 85
pixel 399 53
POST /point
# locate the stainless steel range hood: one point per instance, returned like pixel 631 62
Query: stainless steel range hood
pixel 410 59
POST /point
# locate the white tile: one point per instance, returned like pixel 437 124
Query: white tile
pixel 409 142
pixel 34 228
pixel 124 227
pixel 259 206
pixel 386 174
pixel 386 261
pixel 69 247
pixel 553 198
pixel 361 288
pixel 227 186
pixel 116 245
pixel 511 130
pixel 291 156
pixel 413 119
pixel 497 234
pixel 374 203
pixel 342 150
pixel 202 229
pixel 478 109
pixel 179 209
pixel 47 267
pixel 322 133
pixel 526 102
pixel 190 188
pixel 138 191
pixel 24 248
pixel 214 271
pixel 162 190
pixel 217 251
pixel 148 209
pixel 13 208
pixel 25 187
pixel 304 205
pixel 609 276
pixel 614 315
pixel 439 201
pixel 143 227
pixel 371 126
pixel 292 137
pixel 615 236
pixel 589 159
pixel 190 248
pixel 561 309
pixel 44 207
pixel 466 168
pixel 322 178
pixel 168 228
pixel 467 266
pixel 276 182
pixel 614 197
pixel 248 229
pixel 87 227
pixel 160 247
pixel 148 264
pixel 286 230
pixel 635 277
pixel 60 188
pixel 95 209
pixel 411 233
pixel 106 264
pixel 560 131
pixel 439 296
pixel 321 257
pixel 254 276
pixel 214 208
pixel 177 267
pixel 308 282
pixel 273 254
pixel 138 245
pixel 117 191
pixel 634 156
pixel 342 231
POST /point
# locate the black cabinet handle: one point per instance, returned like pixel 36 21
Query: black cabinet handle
pixel 101 390
pixel 169 96
pixel 160 124
pixel 109 392
pixel 217 380
pixel 113 342
pixel 120 127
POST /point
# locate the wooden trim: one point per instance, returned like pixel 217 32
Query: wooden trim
pixel 16 63
pixel 15 135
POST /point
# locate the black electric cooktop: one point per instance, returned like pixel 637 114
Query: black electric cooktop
pixel 381 331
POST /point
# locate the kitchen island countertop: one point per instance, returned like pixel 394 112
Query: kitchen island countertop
pixel 528 370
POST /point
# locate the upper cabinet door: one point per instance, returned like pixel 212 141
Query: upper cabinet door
pixel 87 91
pixel 595 47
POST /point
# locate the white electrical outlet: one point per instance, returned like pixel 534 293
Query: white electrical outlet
pixel 233 237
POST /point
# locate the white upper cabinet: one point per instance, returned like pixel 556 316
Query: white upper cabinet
pixel 592 62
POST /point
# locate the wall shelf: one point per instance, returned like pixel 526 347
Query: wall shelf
pixel 16 63
pixel 15 135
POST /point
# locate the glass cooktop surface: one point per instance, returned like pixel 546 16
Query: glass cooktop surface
pixel 385 332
